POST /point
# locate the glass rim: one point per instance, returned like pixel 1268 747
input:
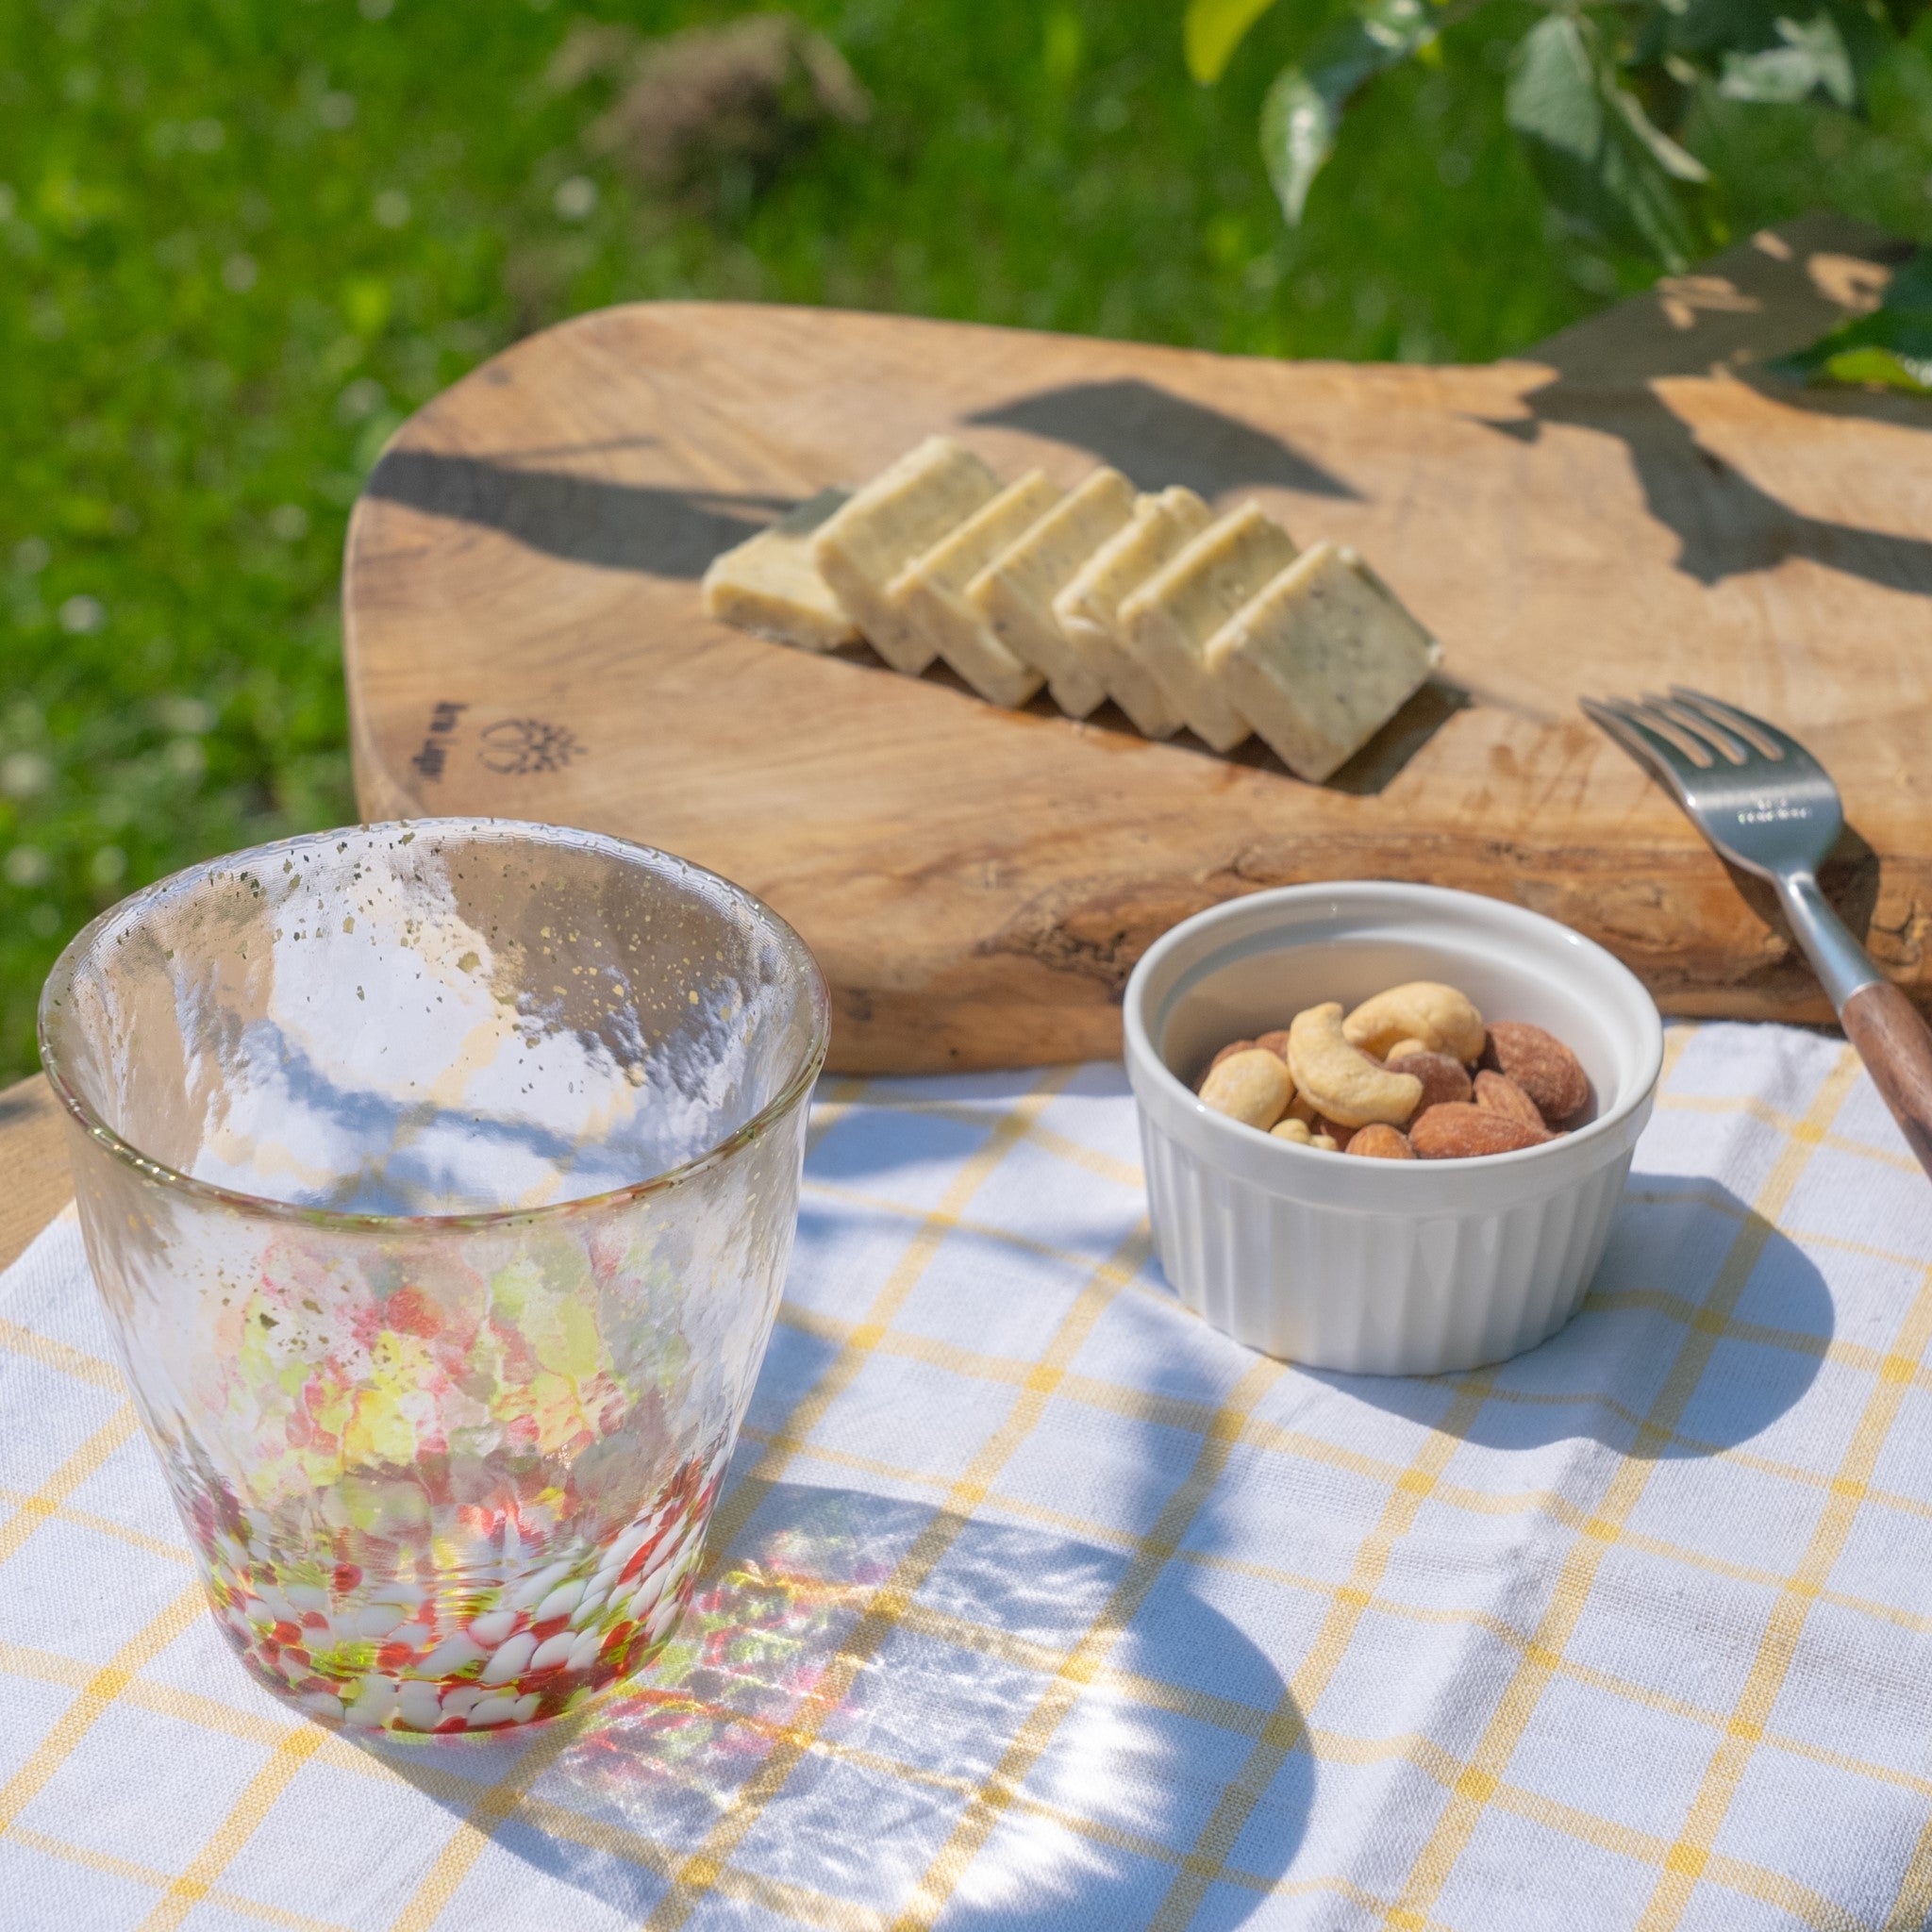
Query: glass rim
pixel 61 975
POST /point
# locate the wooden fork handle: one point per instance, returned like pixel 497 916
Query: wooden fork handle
pixel 1895 1044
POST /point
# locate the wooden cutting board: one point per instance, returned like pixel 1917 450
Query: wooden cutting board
pixel 1623 508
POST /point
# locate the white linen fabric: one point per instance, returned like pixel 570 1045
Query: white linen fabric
pixel 1034 1602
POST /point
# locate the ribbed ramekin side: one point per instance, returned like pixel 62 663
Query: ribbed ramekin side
pixel 1594 1205
pixel 1221 1240
pixel 1427 1295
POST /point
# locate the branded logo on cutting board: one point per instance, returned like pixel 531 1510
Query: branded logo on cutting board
pixel 435 752
pixel 517 747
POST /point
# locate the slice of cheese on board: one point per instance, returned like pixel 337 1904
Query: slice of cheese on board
pixel 1015 592
pixel 1089 606
pixel 930 591
pixel 769 584
pixel 1169 620
pixel 901 513
pixel 1321 659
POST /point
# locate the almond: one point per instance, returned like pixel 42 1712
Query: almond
pixel 1542 1066
pixel 1501 1095
pixel 1276 1042
pixel 1442 1076
pixel 1461 1132
pixel 1379 1143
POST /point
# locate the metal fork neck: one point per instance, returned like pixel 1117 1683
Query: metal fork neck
pixel 1842 965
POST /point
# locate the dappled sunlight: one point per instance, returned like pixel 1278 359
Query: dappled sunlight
pixel 952 1710
pixel 1035 1865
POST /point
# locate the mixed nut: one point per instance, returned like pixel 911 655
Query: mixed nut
pixel 1414 1073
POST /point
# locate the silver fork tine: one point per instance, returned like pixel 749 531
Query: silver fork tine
pixel 1767 737
pixel 1664 759
pixel 1707 731
pixel 1692 756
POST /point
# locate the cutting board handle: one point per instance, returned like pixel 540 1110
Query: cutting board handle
pixel 1895 1044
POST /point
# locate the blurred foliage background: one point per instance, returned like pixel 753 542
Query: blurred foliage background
pixel 240 240
pixel 1608 97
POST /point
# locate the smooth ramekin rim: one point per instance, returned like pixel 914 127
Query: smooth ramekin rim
pixel 1575 1148
pixel 539 832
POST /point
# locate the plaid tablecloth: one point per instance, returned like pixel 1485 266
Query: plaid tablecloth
pixel 1035 1602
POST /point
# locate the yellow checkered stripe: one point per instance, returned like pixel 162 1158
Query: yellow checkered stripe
pixel 1472 1783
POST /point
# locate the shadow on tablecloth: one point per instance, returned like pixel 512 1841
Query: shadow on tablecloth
pixel 1684 1255
pixel 878 1695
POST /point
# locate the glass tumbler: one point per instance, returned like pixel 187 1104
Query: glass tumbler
pixel 439 1179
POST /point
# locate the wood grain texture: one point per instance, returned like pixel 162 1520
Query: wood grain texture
pixel 1625 507
pixel 1893 1040
pixel 33 1162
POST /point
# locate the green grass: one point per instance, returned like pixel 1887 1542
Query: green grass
pixel 240 240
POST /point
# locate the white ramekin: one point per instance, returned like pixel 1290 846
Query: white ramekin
pixel 1380 1267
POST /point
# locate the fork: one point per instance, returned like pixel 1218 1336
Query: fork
pixel 1767 805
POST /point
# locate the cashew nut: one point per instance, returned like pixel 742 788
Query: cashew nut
pixel 1291 1129
pixel 1344 1083
pixel 1442 1017
pixel 1251 1086
pixel 1402 1049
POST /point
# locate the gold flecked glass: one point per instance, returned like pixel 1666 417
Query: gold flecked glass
pixel 439 1181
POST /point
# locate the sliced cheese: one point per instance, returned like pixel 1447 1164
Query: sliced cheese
pixel 1321 659
pixel 1088 608
pixel 1169 620
pixel 770 584
pixel 898 515
pixel 930 591
pixel 1015 592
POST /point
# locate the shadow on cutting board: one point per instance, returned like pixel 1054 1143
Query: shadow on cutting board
pixel 1678 1243
pixel 662 532
pixel 1372 769
pixel 1155 438
pixel 1725 525
pixel 808 1745
pixel 1763 298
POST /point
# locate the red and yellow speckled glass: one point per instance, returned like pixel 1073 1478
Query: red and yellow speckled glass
pixel 439 1181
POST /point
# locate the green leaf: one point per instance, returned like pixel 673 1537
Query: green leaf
pixel 1607 167
pixel 1302 112
pixel 1212 29
pixel 1674 160
pixel 1810 59
pixel 1396 28
pixel 1874 366
pixel 1298 123
pixel 1708 29
pixel 1781 51
pixel 1891 346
